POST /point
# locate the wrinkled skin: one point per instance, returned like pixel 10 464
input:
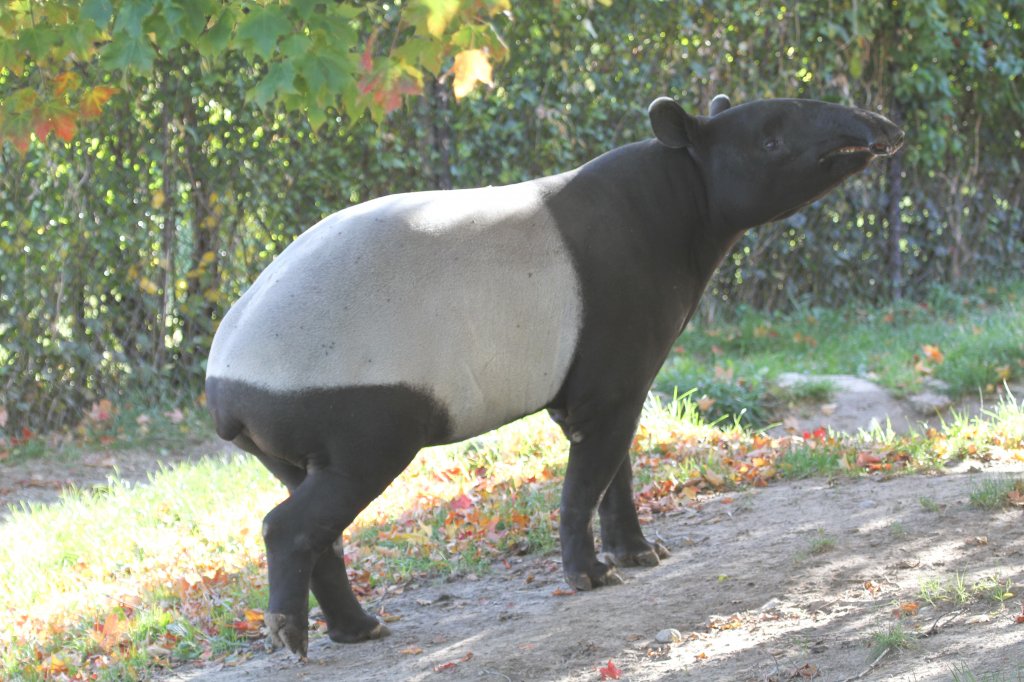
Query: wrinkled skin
pixel 644 227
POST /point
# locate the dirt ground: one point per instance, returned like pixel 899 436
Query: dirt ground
pixel 778 583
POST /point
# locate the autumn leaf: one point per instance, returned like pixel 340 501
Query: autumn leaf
pixel 471 67
pixel 559 592
pixel 411 651
pixel 933 353
pixel 94 99
pixel 66 82
pixel 65 127
pixel 705 403
pixel 610 671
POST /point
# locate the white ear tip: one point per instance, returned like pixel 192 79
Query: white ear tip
pixel 719 104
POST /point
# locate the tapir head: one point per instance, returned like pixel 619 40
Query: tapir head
pixel 763 160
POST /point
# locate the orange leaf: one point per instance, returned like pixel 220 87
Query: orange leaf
pixel 66 82
pixel 866 459
pixel 933 353
pixel 563 593
pixel 411 651
pixel 94 99
pixel 43 128
pixel 610 671
pixel 470 67
pixel 65 127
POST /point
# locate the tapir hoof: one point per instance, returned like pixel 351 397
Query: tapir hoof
pixel 596 576
pixel 376 631
pixel 287 631
pixel 651 556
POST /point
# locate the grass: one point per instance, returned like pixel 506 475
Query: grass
pixel 892 638
pixel 976 341
pixel 961 672
pixel 998 492
pixel 821 544
pixel 958 591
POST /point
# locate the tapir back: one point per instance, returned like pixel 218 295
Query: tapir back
pixel 468 296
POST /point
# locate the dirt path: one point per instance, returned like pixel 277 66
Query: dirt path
pixel 784 582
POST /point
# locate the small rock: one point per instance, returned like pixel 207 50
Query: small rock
pixel 669 636
pixel 928 403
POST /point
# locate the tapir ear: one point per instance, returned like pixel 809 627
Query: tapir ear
pixel 671 125
pixel 719 104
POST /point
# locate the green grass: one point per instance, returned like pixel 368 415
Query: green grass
pixel 961 672
pixel 892 638
pixel 995 493
pixel 736 361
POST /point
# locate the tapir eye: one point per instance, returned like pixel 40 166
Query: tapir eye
pixel 771 144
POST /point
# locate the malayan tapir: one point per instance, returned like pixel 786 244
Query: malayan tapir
pixel 430 317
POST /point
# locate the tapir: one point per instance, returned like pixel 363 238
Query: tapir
pixel 429 317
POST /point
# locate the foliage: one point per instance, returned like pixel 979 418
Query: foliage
pixel 126 234
pixel 304 56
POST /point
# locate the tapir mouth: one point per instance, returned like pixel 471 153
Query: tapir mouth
pixel 874 149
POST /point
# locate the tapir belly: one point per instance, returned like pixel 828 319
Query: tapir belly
pixel 468 296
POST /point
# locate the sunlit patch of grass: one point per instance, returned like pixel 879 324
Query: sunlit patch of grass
pixel 998 492
pixel 736 359
pixel 892 638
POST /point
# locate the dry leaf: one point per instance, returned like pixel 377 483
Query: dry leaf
pixel 610 671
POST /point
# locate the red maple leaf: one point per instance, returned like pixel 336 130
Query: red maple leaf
pixel 610 672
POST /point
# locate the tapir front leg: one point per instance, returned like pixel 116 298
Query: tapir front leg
pixel 621 536
pixel 599 448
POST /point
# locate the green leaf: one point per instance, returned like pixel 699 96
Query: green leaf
pixel 279 81
pixel 192 16
pixel 131 15
pixel 37 41
pixel 127 52
pixel 97 11
pixel 259 30
pixel 215 40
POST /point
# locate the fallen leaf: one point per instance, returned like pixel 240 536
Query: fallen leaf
pixel 610 671
pixel 411 651
pixel 705 403
pixel 805 672
pixel 907 608
pixel 933 353
pixel 559 592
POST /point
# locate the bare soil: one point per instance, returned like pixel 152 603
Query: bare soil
pixel 785 582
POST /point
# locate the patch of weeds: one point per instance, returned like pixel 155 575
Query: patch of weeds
pixel 722 395
pixel 996 493
pixel 810 391
pixel 929 505
pixel 897 530
pixel 961 672
pixel 816 456
pixel 933 591
pixel 893 637
pixel 994 589
pixel 822 544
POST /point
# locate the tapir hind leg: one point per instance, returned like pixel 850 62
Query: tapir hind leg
pixel 303 550
pixel 621 536
pixel 346 620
